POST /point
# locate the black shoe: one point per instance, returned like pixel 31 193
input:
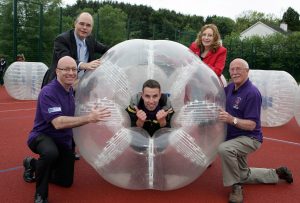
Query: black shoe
pixel 285 174
pixel 39 199
pixel 76 156
pixel 28 175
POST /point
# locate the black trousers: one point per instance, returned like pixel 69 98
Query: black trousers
pixel 55 164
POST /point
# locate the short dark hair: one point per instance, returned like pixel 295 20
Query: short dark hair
pixel 151 84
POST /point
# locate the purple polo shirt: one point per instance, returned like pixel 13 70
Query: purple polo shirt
pixel 53 101
pixel 245 103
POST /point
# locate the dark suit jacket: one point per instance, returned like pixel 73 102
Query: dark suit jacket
pixel 65 45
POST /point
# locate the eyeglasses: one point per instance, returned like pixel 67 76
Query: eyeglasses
pixel 68 69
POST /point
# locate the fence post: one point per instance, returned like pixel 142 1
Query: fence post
pixel 153 31
pixel 242 49
pixel 15 31
pixel 252 55
pixel 98 26
pixel 271 56
pixel 128 27
pixel 60 20
pixel 41 33
pixel 295 60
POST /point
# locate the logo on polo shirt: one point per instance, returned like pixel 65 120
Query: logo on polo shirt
pixel 54 109
pixel 237 101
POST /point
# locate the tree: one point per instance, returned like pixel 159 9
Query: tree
pixel 112 24
pixel 224 24
pixel 6 39
pixel 249 18
pixel 291 17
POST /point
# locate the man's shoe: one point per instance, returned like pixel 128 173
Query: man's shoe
pixel 77 156
pixel 236 195
pixel 39 199
pixel 28 174
pixel 285 174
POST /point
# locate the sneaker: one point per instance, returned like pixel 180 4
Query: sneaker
pixel 28 174
pixel 285 174
pixel 39 199
pixel 236 195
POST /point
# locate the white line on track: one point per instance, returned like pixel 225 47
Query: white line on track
pixel 18 117
pixel 14 110
pixel 17 102
pixel 282 141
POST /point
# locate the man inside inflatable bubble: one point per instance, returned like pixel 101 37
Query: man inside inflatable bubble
pixel 150 109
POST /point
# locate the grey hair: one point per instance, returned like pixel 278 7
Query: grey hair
pixel 243 61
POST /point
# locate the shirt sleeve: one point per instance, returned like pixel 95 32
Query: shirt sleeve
pixel 50 107
pixel 218 65
pixel 194 48
pixel 168 119
pixel 253 109
pixel 132 114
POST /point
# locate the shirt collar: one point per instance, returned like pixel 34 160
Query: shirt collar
pixel 79 41
pixel 246 83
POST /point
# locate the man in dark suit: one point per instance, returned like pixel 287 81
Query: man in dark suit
pixel 79 44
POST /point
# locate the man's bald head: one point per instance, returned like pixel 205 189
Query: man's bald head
pixel 66 61
pixel 66 71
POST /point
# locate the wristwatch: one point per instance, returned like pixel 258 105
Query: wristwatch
pixel 235 121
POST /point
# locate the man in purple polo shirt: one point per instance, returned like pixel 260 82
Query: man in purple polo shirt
pixel 51 136
pixel 244 135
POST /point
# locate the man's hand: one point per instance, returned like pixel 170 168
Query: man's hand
pixel 225 116
pixel 141 117
pixel 161 116
pixel 91 65
pixel 98 114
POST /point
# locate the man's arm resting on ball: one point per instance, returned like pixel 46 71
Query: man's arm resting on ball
pixel 94 116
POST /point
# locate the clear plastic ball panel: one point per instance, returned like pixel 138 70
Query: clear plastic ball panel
pixel 128 157
pixel 278 90
pixel 23 80
pixel 297 106
pixel 224 81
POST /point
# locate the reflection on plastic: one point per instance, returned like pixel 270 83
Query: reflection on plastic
pixel 23 80
pixel 127 156
pixel 278 90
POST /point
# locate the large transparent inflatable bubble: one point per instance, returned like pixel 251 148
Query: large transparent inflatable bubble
pixel 223 80
pixel 128 157
pixel 278 90
pixel 297 106
pixel 23 80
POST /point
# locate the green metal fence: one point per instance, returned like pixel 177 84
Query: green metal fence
pixel 40 44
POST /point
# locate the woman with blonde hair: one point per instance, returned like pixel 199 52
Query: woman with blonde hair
pixel 209 48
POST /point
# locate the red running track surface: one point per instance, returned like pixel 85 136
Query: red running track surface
pixel 281 147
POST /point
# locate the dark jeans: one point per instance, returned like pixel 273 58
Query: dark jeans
pixel 55 164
